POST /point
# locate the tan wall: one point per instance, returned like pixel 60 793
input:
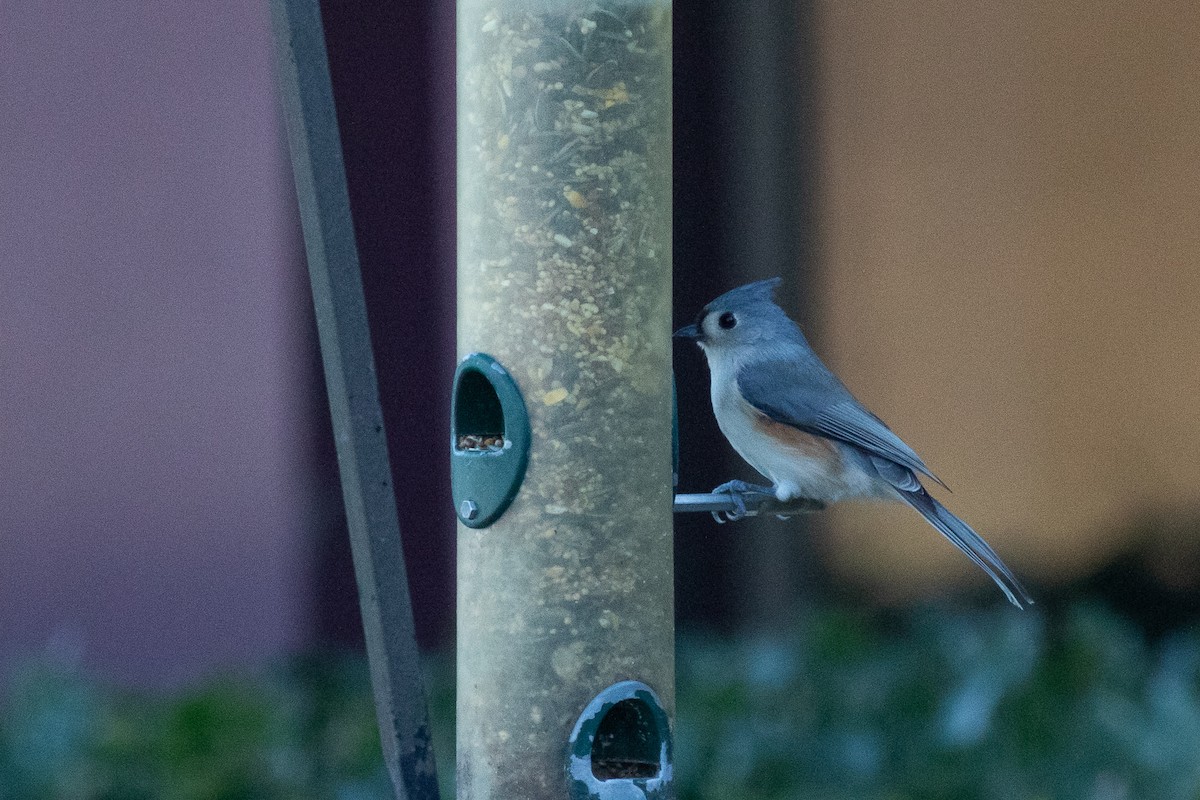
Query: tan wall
pixel 1011 254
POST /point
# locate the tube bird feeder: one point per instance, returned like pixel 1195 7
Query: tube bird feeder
pixel 561 426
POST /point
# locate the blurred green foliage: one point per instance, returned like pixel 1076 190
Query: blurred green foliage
pixel 926 704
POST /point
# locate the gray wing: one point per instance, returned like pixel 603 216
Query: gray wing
pixel 810 397
pixel 806 395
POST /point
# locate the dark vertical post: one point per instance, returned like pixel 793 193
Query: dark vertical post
pixel 745 211
pixel 770 183
pixel 353 396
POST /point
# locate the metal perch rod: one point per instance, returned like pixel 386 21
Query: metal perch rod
pixel 756 503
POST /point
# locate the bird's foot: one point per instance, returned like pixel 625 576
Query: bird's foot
pixel 738 491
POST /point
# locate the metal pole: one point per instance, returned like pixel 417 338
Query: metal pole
pixel 353 397
pixel 565 600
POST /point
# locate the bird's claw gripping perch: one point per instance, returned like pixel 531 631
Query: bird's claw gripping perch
pixel 738 491
pixel 738 499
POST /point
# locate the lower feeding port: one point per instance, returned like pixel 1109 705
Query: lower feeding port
pixel 620 749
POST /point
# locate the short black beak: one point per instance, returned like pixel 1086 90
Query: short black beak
pixel 689 332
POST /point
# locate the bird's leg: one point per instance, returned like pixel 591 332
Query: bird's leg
pixel 737 490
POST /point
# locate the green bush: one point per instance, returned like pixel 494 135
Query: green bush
pixel 305 730
pixel 932 705
pixel 928 704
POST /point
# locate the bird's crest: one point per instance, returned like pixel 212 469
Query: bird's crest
pixel 751 292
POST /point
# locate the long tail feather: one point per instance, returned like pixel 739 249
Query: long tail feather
pixel 971 543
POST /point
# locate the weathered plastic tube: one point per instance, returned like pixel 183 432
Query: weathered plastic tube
pixel 564 279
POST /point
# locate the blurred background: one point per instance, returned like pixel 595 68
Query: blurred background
pixel 988 220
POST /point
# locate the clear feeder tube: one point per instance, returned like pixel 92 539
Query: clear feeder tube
pixel 564 277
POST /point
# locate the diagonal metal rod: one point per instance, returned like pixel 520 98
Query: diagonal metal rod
pixel 333 265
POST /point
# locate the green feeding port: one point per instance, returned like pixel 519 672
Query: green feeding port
pixel 627 743
pixel 478 417
pixel 621 746
pixel 489 440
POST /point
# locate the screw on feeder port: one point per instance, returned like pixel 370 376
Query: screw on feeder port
pixel 468 509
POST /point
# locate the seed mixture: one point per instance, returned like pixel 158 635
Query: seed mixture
pixel 564 276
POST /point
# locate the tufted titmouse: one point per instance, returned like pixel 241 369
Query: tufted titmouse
pixel 797 424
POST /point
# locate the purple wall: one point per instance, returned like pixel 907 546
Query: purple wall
pixel 153 329
pixel 168 499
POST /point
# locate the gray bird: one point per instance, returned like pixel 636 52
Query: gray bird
pixel 791 418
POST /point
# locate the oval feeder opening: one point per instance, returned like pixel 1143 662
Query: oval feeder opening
pixel 621 746
pixel 489 440
pixel 627 744
pixel 478 417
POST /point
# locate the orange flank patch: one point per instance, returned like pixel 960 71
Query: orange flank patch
pixel 804 444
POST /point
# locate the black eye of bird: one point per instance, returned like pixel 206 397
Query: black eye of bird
pixel 727 320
